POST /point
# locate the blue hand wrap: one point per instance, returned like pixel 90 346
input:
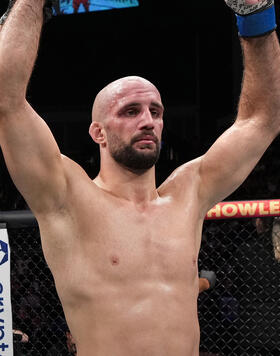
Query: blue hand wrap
pixel 257 24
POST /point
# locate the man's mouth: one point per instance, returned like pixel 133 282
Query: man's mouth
pixel 148 139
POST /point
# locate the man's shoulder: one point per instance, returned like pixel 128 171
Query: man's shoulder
pixel 70 163
pixel 77 182
pixel 183 179
pixel 73 170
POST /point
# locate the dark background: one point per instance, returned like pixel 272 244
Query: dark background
pixel 189 50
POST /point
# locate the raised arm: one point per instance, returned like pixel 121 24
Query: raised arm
pixel 30 151
pixel 233 156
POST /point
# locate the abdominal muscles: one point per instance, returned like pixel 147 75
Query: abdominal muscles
pixel 141 318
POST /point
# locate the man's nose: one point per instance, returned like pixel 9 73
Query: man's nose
pixel 147 121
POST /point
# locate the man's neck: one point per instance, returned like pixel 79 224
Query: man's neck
pixel 125 184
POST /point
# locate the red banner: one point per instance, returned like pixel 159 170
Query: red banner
pixel 244 209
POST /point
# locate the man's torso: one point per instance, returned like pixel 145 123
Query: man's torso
pixel 126 275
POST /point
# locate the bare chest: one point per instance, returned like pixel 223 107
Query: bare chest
pixel 108 245
pixel 127 243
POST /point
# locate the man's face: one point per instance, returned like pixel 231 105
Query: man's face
pixel 141 153
pixel 134 126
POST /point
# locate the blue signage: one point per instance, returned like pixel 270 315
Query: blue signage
pixel 65 7
pixel 4 255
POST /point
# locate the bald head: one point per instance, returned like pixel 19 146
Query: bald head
pixel 116 90
pixel 124 113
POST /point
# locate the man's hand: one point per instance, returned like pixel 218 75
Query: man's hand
pixel 210 276
pixel 48 11
pixel 24 337
pixel 246 7
pixel 207 280
pixel 252 2
pixel 254 17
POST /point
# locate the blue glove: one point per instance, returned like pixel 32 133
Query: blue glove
pixel 254 18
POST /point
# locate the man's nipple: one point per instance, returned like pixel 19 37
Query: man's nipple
pixel 114 260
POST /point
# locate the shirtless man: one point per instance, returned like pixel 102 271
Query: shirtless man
pixel 124 253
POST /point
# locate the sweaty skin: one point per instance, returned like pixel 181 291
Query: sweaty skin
pixel 123 252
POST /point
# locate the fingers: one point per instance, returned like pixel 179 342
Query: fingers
pixel 25 338
pixel 251 2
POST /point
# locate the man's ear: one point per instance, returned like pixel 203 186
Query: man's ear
pixel 97 133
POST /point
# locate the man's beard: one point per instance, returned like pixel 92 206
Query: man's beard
pixel 134 160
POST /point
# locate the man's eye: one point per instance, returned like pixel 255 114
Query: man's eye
pixel 131 112
pixel 155 113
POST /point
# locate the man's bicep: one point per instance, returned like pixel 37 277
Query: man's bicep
pixel 32 158
pixel 231 158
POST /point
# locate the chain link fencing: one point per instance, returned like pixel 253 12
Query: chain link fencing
pixel 239 316
pixel 36 308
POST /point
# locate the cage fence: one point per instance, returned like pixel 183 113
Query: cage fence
pixel 36 308
pixel 239 316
